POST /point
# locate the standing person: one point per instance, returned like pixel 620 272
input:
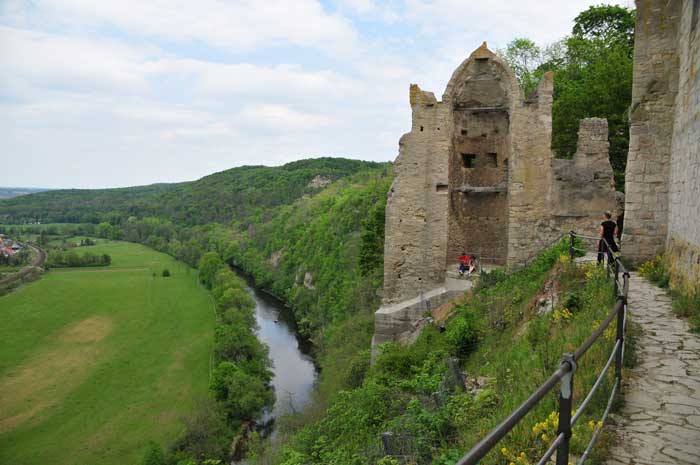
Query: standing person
pixel 608 230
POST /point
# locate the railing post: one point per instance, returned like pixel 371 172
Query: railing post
pixel 617 275
pixel 572 252
pixel 566 392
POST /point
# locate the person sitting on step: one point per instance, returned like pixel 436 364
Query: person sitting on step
pixel 466 264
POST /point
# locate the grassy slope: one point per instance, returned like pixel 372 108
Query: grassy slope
pixel 396 393
pixel 94 362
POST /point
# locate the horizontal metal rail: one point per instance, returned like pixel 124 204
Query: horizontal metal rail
pixel 583 348
pixel 599 428
pixel 596 385
pixel 485 445
pixel 564 375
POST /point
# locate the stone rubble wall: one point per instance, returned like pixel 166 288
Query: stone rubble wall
pixel 683 242
pixel 584 187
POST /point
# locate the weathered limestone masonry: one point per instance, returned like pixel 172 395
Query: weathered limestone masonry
pixel 476 174
pixel 662 210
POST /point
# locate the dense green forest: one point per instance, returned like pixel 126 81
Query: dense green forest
pixel 238 193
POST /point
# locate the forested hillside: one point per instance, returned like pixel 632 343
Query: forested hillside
pixel 234 194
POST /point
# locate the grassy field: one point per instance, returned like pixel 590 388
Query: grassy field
pixel 94 362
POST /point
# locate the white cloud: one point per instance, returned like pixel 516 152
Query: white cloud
pixel 161 114
pixel 282 80
pixel 241 25
pixel 282 117
pixel 31 58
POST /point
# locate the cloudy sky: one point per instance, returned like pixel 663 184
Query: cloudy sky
pixel 98 93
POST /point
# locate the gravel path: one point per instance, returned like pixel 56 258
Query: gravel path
pixel 660 421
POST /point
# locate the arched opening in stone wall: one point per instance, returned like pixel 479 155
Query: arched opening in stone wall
pixel 478 165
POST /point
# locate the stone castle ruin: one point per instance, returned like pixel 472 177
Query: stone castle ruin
pixel 476 174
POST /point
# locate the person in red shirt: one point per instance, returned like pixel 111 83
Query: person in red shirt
pixel 466 264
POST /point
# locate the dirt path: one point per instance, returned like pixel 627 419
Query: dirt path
pixel 660 421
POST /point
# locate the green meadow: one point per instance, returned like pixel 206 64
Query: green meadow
pixel 96 361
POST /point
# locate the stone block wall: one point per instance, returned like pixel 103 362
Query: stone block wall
pixel 662 208
pixel 683 242
pixel 654 89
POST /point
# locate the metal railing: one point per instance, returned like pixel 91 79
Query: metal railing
pixel 564 375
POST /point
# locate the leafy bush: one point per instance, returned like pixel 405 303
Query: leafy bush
pixel 655 271
pixel 154 455
pixel 165 273
pixel 463 333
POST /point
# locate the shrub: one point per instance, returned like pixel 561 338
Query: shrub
pixel 154 455
pixel 462 334
pixel 165 273
pixel 655 270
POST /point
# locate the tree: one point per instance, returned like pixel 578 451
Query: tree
pixel 596 81
pixel 243 395
pixel 206 433
pixel 524 57
pixel 209 264
pixel 592 78
pixel 372 239
pixel 610 23
pixel 154 455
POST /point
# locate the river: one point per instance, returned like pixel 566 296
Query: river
pixel 294 371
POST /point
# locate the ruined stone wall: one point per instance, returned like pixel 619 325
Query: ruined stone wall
pixel 476 174
pixel 530 175
pixel 683 242
pixel 654 89
pixel 416 212
pixel 584 187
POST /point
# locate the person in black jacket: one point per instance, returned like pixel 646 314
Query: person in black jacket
pixel 608 231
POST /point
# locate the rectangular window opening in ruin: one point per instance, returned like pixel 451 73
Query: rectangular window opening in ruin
pixel 441 187
pixel 482 60
pixel 468 160
pixel 492 159
pixel 463 132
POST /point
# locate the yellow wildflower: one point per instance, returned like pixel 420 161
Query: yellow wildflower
pixel 504 451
